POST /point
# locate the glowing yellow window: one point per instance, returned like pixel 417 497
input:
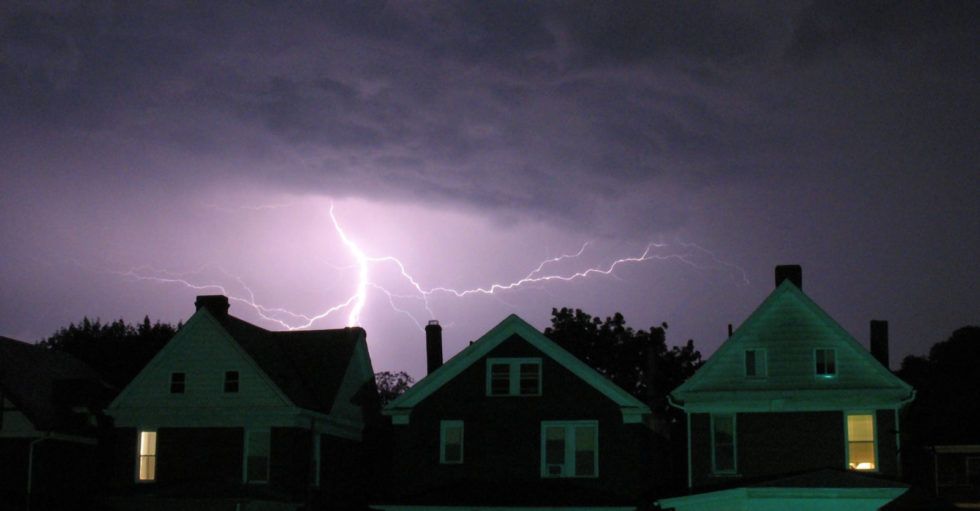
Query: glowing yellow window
pixel 148 456
pixel 861 442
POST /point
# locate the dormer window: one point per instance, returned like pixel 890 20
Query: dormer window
pixel 514 377
pixel 231 381
pixel 826 363
pixel 755 364
pixel 177 382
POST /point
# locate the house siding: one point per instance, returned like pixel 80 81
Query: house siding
pixel 502 435
pixel 199 454
pixel 771 444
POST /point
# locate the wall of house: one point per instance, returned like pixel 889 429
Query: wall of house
pixel 199 454
pixel 64 472
pixel 502 435
pixel 771 444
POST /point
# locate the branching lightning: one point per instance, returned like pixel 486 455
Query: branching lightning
pixel 355 304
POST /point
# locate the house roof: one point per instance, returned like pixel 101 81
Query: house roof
pixel 31 376
pixel 788 327
pixel 308 366
pixel 633 409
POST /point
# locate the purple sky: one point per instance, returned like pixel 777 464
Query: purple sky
pixel 472 141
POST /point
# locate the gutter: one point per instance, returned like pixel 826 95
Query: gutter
pixel 687 424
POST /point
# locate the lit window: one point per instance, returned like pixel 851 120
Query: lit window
pixel 861 442
pixel 231 381
pixel 569 449
pixel 148 456
pixel 514 377
pixel 451 442
pixel 755 363
pixel 723 444
pixel 257 456
pixel 177 381
pixel 826 363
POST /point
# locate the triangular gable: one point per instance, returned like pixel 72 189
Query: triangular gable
pixel 148 383
pixel 633 409
pixel 721 378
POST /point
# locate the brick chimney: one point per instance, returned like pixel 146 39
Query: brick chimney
pixel 433 345
pixel 217 305
pixel 879 341
pixel 791 272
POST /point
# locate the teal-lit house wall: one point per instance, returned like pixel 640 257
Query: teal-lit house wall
pixel 790 391
pixel 503 460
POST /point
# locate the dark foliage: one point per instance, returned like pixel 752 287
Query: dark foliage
pixel 946 409
pixel 118 351
pixel 622 354
pixel 391 385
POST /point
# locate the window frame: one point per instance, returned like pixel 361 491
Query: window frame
pixel 176 383
pixel 444 426
pixel 236 381
pixel 246 454
pixel 569 438
pixel 873 442
pixel 816 363
pixel 140 456
pixel 714 447
pixel 513 365
pixel 765 363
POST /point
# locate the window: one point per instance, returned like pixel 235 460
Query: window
pixel 451 442
pixel 147 456
pixel 257 456
pixel 177 381
pixel 723 444
pixel 755 363
pixel 826 363
pixel 316 459
pixel 231 381
pixel 861 441
pixel 514 377
pixel 570 449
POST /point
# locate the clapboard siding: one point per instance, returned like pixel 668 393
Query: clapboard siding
pixel 203 351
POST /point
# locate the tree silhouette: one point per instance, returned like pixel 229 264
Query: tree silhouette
pixel 623 355
pixel 391 385
pixel 118 351
pixel 946 409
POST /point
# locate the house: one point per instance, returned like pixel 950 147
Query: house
pixel 233 416
pixel 514 420
pixel 49 426
pixel 790 392
pixel 956 470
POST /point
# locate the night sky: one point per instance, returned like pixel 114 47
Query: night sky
pixel 472 141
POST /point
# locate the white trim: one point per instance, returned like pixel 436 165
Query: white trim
pixel 569 428
pixel 512 325
pixel 443 427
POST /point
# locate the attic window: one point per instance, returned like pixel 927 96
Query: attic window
pixel 826 362
pixel 231 381
pixel 514 377
pixel 177 381
pixel 755 364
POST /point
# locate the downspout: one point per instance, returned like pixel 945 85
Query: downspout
pixel 687 420
pixel 898 432
pixel 30 465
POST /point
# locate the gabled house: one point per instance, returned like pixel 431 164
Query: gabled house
pixel 49 426
pixel 791 392
pixel 514 420
pixel 230 411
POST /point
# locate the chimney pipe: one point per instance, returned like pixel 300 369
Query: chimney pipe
pixel 791 272
pixel 433 345
pixel 217 305
pixel 879 341
pixel 657 337
pixel 729 330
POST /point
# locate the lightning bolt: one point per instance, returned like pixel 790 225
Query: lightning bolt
pixel 356 302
